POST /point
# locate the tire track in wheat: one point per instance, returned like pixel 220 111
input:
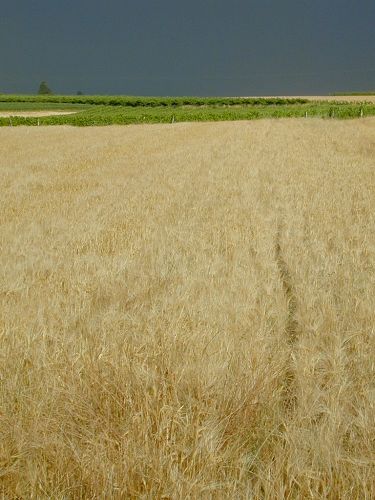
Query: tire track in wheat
pixel 291 326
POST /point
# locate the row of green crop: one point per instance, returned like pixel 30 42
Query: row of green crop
pixel 105 115
pixel 135 101
pixel 338 94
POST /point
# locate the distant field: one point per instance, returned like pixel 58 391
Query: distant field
pixel 187 310
pixel 125 110
pixel 126 115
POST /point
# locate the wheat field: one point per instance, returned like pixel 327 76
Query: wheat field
pixel 187 311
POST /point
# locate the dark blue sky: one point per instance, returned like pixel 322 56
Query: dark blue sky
pixel 178 47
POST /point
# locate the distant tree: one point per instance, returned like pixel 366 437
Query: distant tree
pixel 79 92
pixel 44 89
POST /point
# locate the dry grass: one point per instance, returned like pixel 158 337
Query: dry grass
pixel 187 311
pixel 343 98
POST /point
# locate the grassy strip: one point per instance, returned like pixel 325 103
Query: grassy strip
pixel 134 101
pixel 37 106
pixel 105 115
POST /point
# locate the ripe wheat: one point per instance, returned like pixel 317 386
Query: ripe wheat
pixel 186 310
